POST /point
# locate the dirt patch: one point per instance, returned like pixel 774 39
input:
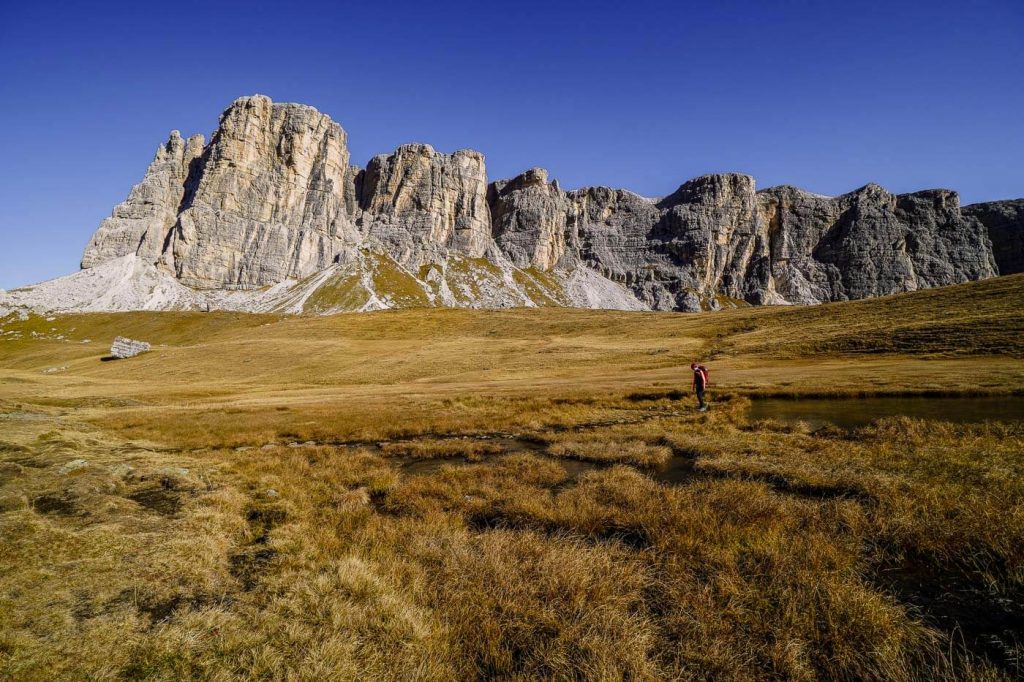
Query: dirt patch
pixel 262 520
pixel 54 505
pixel 162 500
pixel 162 610
pixel 641 397
pixel 781 484
pixel 248 564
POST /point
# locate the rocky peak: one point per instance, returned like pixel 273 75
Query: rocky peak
pixel 141 223
pixel 419 201
pixel 273 199
pixel 269 203
pixel 716 188
pixel 529 218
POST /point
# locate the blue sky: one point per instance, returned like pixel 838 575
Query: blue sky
pixel 824 95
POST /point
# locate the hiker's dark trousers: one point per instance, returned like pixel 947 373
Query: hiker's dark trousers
pixel 700 397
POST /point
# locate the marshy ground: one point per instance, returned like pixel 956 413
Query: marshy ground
pixel 452 494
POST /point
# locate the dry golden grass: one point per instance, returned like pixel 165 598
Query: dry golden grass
pixel 607 451
pixel 509 494
pixel 433 448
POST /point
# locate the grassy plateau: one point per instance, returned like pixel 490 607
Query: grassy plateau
pixel 518 494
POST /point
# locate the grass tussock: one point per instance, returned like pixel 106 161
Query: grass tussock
pixel 432 448
pixel 613 451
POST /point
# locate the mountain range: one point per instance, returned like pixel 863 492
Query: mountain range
pixel 270 215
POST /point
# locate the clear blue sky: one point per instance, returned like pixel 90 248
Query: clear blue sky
pixel 825 95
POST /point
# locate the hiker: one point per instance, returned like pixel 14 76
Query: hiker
pixel 700 383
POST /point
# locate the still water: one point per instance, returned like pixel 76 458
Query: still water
pixel 854 412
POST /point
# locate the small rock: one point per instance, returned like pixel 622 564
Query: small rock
pixel 268 446
pixel 243 448
pixel 73 465
pixel 689 303
pixel 122 470
pixel 178 472
pixel 86 340
pixel 271 492
pixel 127 348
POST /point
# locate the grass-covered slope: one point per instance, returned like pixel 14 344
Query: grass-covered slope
pixel 516 494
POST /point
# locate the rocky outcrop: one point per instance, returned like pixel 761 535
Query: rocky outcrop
pixel 270 200
pixel 273 201
pixel 141 223
pixel 528 219
pixel 867 243
pixel 420 203
pixel 716 238
pixel 1004 221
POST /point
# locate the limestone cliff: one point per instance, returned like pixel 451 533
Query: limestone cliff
pixel 1004 221
pixel 269 202
pixel 141 223
pixel 272 201
pixel 529 217
pixel 421 203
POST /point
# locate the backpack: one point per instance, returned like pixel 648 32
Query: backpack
pixel 707 375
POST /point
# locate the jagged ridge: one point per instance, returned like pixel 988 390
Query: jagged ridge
pixel 272 209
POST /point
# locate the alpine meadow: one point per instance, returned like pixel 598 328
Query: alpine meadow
pixel 568 341
pixel 522 494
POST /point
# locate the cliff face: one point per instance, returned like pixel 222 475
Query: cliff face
pixel 716 237
pixel 272 199
pixel 268 202
pixel 528 218
pixel 1004 221
pixel 142 222
pixel 421 203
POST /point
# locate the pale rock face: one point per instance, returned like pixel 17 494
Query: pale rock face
pixel 124 348
pixel 271 212
pixel 141 223
pixel 420 203
pixel 868 243
pixel 607 231
pixel 716 236
pixel 528 218
pixel 1004 221
pixel 273 200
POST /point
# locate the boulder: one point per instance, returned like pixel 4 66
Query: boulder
pixel 123 348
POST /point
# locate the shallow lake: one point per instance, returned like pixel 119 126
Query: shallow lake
pixel 854 412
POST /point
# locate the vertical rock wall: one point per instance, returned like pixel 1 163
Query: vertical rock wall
pixel 419 203
pixel 141 223
pixel 273 198
pixel 270 202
